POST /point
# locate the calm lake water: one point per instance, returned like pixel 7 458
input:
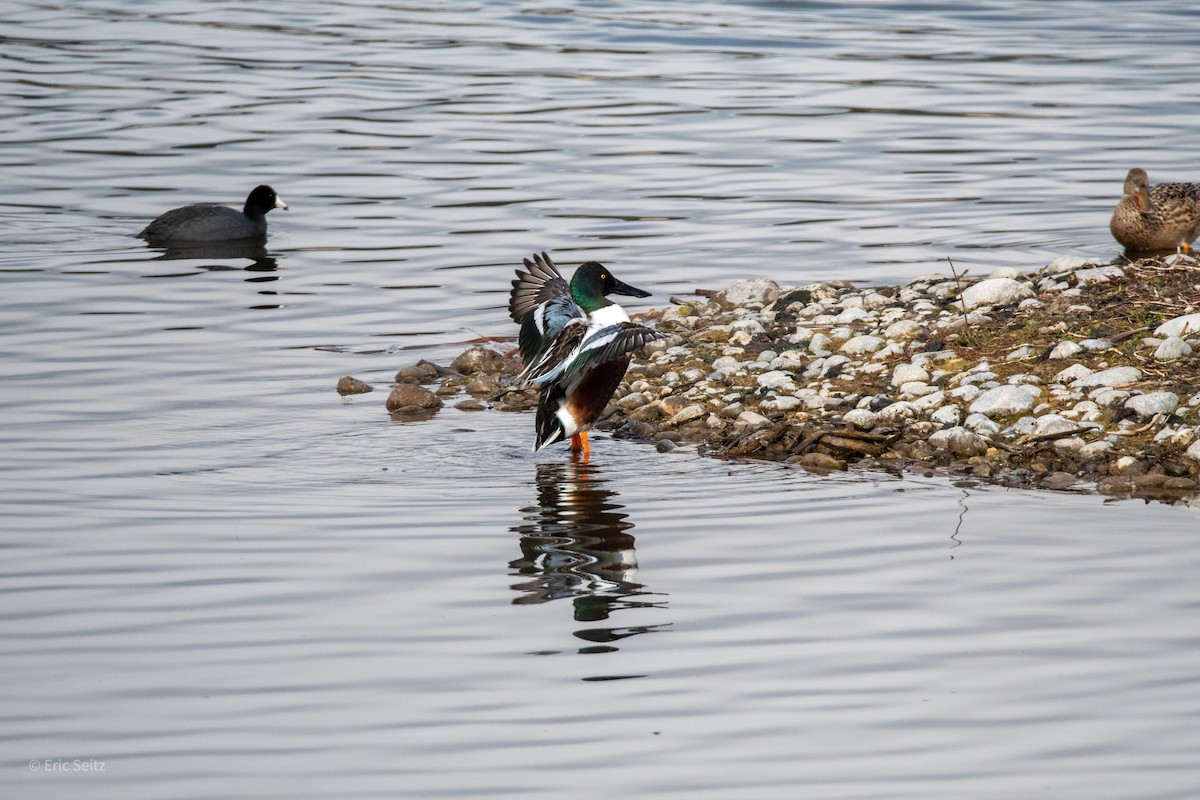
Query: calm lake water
pixel 222 580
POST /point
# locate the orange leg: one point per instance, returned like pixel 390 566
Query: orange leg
pixel 579 444
pixel 1185 247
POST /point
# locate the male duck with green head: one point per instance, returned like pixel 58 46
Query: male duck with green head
pixel 575 343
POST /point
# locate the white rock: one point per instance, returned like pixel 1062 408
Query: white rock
pixel 874 300
pixel 1096 345
pixel 981 424
pixel 1187 325
pixel 996 292
pixel 1099 275
pixel 860 345
pixel 777 379
pixel 751 419
pixel 1052 423
pixel 751 290
pixel 1065 349
pixel 726 364
pixel 851 315
pixel 860 418
pixel 1072 445
pixel 1193 452
pixel 1116 376
pixel 1172 348
pixel 916 389
pixel 1024 351
pixel 1069 264
pixel 1147 405
pixel 747 324
pixel 1023 378
pixel 905 373
pixel 896 413
pixel 949 415
pixel 1095 449
pixel 903 329
pixel 966 393
pixel 688 413
pixel 1022 427
pixel 1072 373
pixel 1003 401
pixel 819 345
pixel 930 401
pixel 959 441
pixel 784 403
pixel 1005 272
pixel 978 377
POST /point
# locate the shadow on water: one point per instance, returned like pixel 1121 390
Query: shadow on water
pixel 576 543
pixel 253 249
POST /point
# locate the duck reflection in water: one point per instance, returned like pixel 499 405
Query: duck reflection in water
pixel 576 543
pixel 253 249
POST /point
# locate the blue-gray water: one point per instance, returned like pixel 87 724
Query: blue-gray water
pixel 222 580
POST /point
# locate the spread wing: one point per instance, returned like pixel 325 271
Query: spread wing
pixel 576 354
pixel 541 283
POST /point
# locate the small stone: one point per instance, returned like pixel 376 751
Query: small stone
pixel 1112 378
pixel 1069 264
pixel 632 400
pixel 1127 465
pixel 860 418
pixel 1065 349
pixel 902 329
pixel 1072 373
pixel 411 395
pixel 478 359
pixel 820 345
pixel 1095 449
pixel 896 413
pixel 750 290
pixel 1187 325
pixel 347 385
pixel 861 345
pixel 916 389
pixel 1172 348
pixel 820 461
pixel 1058 481
pixel 1147 405
pixel 1085 277
pixel 950 415
pixel 904 373
pixel 981 424
pixel 1096 345
pixel 731 411
pixel 752 420
pixel 959 441
pixel 687 414
pixel 777 380
pixel 995 292
pixel 1004 401
pixel 1050 424
pixel 470 405
pixel 852 315
pixel 665 446
pixel 1024 351
pixel 417 373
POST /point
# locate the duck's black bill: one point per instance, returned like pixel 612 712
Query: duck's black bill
pixel 620 287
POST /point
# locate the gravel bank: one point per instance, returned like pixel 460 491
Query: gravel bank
pixel 1082 376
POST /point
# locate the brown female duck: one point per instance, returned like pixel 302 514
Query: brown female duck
pixel 1155 218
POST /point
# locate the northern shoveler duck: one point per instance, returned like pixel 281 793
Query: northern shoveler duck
pixel 575 343
pixel 1154 218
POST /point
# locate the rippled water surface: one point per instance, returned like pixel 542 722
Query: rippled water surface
pixel 222 580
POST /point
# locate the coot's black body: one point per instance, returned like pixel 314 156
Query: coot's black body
pixel 208 222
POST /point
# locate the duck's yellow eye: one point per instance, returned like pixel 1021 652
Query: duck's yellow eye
pixel 603 277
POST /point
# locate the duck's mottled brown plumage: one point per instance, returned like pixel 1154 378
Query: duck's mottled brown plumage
pixel 1156 218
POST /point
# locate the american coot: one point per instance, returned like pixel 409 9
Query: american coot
pixel 1151 218
pixel 208 222
pixel 575 343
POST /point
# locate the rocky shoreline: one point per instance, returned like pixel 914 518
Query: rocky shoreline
pixel 1081 376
